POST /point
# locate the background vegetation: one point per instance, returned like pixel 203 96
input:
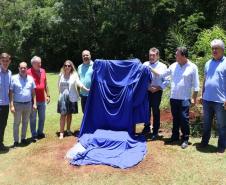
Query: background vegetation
pixel 60 29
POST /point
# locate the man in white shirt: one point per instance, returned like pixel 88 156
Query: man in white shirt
pixel 158 84
pixel 184 80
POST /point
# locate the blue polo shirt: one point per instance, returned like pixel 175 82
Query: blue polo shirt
pixel 85 72
pixel 22 88
pixel 215 80
pixel 5 78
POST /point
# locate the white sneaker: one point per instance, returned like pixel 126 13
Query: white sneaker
pixel 61 136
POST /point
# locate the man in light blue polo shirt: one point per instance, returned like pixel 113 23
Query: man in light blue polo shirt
pixel 22 94
pixel 214 95
pixel 85 71
pixel 5 78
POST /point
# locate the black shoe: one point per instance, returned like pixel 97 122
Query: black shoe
pixel 154 137
pixel 34 139
pixel 69 133
pixel 15 144
pixel 41 136
pixel 24 142
pixel 3 148
pixel 184 145
pixel 202 145
pixel 146 130
pixel 220 150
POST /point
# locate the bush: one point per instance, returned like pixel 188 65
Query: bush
pixel 201 48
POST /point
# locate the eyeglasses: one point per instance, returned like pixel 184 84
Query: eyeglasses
pixel 65 65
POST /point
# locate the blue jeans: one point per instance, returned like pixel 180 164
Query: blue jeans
pixel 41 109
pixel 209 110
pixel 154 103
pixel 180 113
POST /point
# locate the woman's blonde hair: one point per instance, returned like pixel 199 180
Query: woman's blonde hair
pixel 73 70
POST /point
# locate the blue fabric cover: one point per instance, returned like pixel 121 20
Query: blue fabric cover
pixel 118 97
pixel 111 148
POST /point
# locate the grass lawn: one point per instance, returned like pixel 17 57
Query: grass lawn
pixel 43 162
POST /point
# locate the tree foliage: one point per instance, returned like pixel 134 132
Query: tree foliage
pixel 60 29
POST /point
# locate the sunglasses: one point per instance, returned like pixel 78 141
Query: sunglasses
pixel 65 65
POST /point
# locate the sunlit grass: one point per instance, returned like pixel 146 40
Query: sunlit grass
pixel 43 162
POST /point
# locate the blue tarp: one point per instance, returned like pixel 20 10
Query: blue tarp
pixel 118 96
pixel 118 99
pixel 113 148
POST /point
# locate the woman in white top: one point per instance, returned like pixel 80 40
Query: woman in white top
pixel 68 98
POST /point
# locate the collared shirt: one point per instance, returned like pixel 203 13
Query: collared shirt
pixel 5 78
pixel 163 82
pixel 85 72
pixel 22 88
pixel 215 80
pixel 40 83
pixel 184 79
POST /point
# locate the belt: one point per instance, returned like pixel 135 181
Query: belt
pixel 23 102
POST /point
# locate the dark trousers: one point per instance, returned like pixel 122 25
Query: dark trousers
pixel 4 112
pixel 154 103
pixel 180 113
pixel 83 102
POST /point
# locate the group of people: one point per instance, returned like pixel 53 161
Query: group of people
pixel 184 78
pixel 27 93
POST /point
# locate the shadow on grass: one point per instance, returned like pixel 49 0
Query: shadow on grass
pixel 5 150
pixel 207 149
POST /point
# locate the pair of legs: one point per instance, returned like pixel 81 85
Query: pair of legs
pixel 4 112
pixel 154 103
pixel 41 110
pixel 209 110
pixel 22 110
pixel 83 102
pixel 65 118
pixel 180 113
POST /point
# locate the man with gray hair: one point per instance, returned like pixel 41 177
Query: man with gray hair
pixel 214 95
pixel 42 96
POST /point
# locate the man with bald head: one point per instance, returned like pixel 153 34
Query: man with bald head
pixel 85 71
pixel 22 99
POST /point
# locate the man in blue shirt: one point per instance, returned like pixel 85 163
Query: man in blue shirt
pixel 85 71
pixel 214 95
pixel 22 94
pixel 5 78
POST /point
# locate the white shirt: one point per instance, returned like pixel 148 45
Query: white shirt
pixel 184 79
pixel 70 84
pixel 158 80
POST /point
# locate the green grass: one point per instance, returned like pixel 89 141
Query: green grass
pixel 43 162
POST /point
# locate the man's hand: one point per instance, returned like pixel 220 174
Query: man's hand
pixel 34 107
pixel 193 102
pixel 154 89
pixel 225 105
pixel 12 109
pixel 47 99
